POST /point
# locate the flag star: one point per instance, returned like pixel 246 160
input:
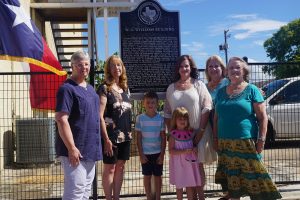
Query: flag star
pixel 21 17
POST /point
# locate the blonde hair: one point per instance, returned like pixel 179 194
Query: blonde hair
pixel 108 78
pixel 180 112
pixel 219 59
pixel 245 66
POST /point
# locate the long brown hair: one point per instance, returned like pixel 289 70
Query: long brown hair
pixel 180 112
pixel 194 70
pixel 108 78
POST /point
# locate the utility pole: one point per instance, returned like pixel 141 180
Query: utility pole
pixel 225 45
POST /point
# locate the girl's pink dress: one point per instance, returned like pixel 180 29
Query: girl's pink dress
pixel 183 172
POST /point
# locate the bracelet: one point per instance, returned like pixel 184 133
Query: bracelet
pixel 262 139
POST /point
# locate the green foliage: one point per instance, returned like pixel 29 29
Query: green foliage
pixel 283 70
pixel 99 69
pixel 99 73
pixel 284 46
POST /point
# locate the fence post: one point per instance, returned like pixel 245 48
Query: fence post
pixel 92 72
pixel 95 183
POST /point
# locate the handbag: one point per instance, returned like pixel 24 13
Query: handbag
pixel 206 151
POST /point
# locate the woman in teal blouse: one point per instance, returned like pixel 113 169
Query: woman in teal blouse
pixel 240 126
pixel 215 74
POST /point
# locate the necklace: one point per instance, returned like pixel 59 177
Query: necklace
pixel 235 90
pixel 117 88
pixel 213 85
pixel 184 84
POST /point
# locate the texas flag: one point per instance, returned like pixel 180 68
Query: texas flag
pixel 20 40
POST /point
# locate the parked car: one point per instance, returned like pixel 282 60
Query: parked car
pixel 283 109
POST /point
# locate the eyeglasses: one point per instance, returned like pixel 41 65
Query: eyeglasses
pixel 81 65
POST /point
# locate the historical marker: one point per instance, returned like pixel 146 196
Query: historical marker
pixel 150 45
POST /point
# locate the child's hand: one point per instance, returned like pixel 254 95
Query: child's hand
pixel 160 160
pixel 195 150
pixel 143 159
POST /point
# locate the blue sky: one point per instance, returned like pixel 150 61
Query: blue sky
pixel 202 25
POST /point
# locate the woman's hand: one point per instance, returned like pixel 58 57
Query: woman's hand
pixel 195 150
pixel 215 143
pixel 108 148
pixel 74 156
pixel 198 137
pixel 260 146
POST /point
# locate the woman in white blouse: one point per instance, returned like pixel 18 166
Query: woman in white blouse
pixel 189 92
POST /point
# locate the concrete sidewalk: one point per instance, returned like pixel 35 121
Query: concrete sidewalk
pixel 288 192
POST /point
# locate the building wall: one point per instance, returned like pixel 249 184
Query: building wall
pixel 15 92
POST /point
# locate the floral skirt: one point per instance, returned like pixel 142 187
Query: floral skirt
pixel 241 171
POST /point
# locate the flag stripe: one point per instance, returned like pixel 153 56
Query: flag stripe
pixel 35 62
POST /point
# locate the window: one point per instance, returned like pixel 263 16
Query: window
pixel 291 94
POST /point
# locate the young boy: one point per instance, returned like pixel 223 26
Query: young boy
pixel 151 141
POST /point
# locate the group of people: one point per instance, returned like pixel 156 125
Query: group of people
pixel 227 116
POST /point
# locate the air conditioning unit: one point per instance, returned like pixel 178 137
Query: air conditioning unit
pixel 35 140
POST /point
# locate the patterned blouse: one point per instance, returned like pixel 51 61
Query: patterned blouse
pixel 117 114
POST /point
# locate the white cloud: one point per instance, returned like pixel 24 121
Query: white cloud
pixel 259 42
pixel 185 45
pixel 255 26
pixel 217 29
pixel 185 32
pixel 243 26
pixel 243 16
pixel 193 46
pixel 195 49
pixel 178 2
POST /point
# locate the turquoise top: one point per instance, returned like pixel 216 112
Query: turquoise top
pixel 213 93
pixel 236 116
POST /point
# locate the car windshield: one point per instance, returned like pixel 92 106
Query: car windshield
pixel 272 87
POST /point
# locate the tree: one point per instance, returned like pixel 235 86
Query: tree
pixel 284 46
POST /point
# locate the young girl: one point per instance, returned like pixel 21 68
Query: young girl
pixel 184 171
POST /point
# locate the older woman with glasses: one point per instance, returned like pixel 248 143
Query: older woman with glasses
pixel 78 143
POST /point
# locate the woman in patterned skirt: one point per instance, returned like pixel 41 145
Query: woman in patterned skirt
pixel 240 126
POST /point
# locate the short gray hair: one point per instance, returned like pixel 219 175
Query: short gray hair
pixel 79 56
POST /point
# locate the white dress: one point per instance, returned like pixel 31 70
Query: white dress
pixel 196 100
